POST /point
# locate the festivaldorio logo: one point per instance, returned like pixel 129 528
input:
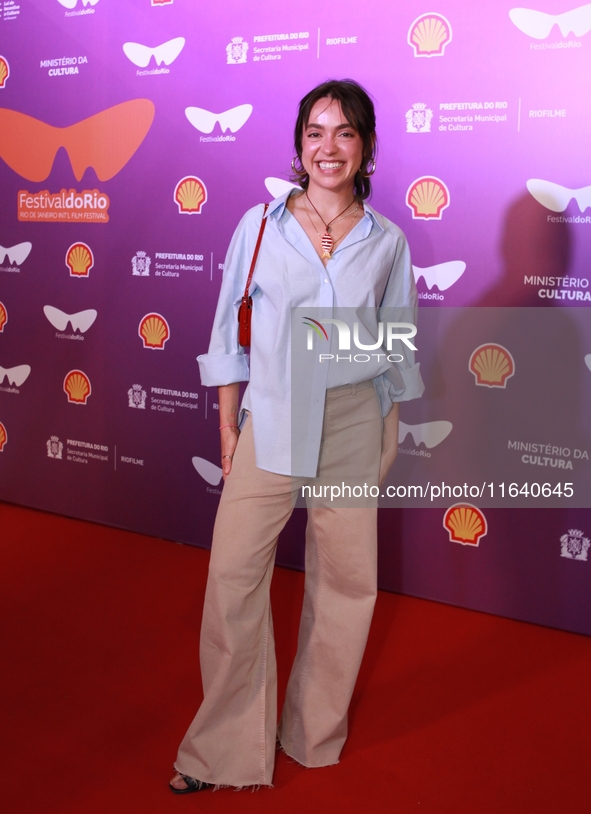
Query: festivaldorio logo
pixel 16 375
pixel 431 433
pixel 427 197
pixel 16 254
pixel 443 275
pixel 465 523
pixel 81 321
pixel 162 2
pixel 278 186
pixel 429 34
pixel 54 448
pixel 4 71
pixel 154 331
pixel 77 387
pixel 79 259
pixel 418 119
pixel 166 53
pixel 208 471
pixel 189 195
pixel 140 265
pixel 3 437
pixel 492 365
pixel 236 51
pixel 231 120
pixel 136 397
pixel 67 205
pixel 538 24
pixel 556 197
pixel 3 316
pixel 72 3
pixel 105 142
pixel 574 545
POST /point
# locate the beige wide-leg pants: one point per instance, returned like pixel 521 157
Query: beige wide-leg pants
pixel 232 739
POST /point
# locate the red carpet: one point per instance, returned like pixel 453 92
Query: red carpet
pixel 456 712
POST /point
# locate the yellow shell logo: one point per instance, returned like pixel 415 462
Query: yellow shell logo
pixel 429 34
pixel 4 71
pixel 465 523
pixel 427 197
pixel 492 365
pixel 77 387
pixel 3 436
pixel 154 331
pixel 79 259
pixel 190 194
pixel 3 317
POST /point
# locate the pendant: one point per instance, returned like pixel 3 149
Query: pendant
pixel 327 243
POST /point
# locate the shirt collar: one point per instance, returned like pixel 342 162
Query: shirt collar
pixel 374 216
pixel 279 204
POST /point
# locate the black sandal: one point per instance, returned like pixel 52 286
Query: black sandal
pixel 192 785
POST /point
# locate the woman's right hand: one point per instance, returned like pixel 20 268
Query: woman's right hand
pixel 228 397
pixel 229 438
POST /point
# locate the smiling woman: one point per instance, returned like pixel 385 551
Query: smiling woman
pixel 335 142
pixel 323 246
pixel 355 113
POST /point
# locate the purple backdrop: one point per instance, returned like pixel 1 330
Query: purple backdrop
pixel 135 133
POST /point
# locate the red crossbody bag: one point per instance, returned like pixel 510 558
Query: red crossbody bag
pixel 245 310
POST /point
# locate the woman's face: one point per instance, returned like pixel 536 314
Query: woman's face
pixel 332 149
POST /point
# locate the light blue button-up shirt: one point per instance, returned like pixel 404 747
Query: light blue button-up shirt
pixel 369 273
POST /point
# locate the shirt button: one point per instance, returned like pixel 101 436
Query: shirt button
pixel 325 279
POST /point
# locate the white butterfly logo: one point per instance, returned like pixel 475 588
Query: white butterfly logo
pixel 538 24
pixel 16 254
pixel 16 375
pixel 278 187
pixel 141 55
pixel 232 119
pixel 80 321
pixel 72 3
pixel 443 275
pixel 557 197
pixel 430 434
pixel 208 471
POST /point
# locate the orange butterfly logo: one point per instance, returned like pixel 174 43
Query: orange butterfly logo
pixel 105 141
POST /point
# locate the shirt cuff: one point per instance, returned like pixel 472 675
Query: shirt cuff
pixel 398 385
pixel 217 370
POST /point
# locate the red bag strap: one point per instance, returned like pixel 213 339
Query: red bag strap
pixel 256 250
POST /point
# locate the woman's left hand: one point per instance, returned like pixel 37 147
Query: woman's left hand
pixel 389 442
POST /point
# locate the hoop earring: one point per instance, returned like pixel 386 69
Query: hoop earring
pixel 301 173
pixel 371 172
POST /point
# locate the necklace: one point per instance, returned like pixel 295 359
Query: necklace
pixel 326 253
pixel 327 240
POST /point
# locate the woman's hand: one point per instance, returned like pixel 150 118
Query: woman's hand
pixel 389 442
pixel 228 396
pixel 229 439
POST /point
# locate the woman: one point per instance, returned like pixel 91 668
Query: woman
pixel 323 248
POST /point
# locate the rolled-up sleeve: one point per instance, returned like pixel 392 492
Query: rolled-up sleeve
pixel 225 361
pixel 402 381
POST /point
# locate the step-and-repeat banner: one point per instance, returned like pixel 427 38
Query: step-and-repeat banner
pixel 133 136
